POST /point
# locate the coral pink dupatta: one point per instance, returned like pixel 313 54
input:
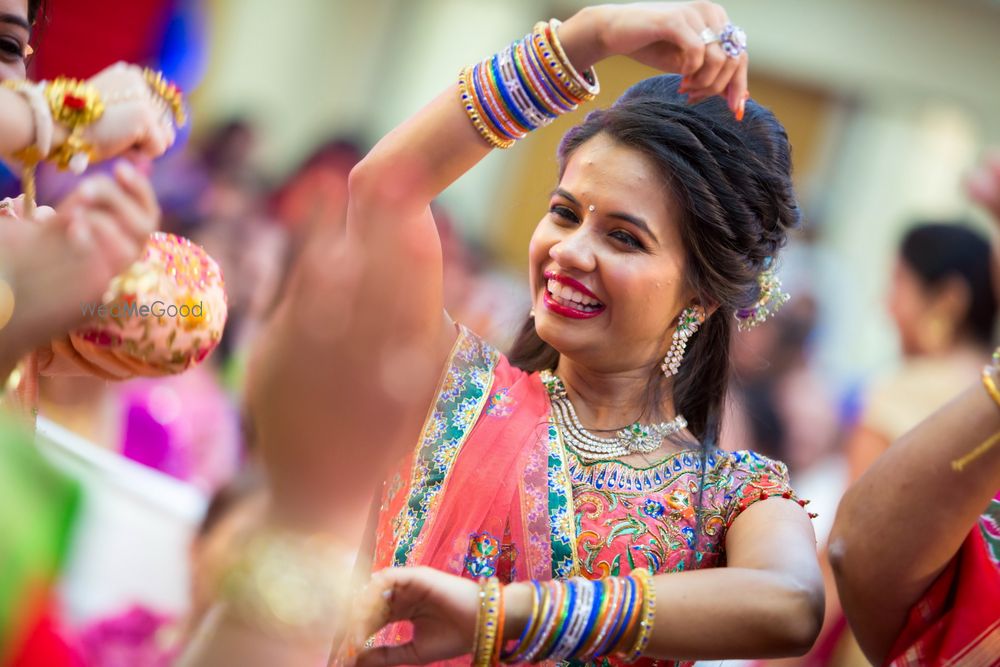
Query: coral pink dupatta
pixel 488 466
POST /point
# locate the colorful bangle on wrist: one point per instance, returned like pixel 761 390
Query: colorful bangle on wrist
pixel 523 87
pixel 584 620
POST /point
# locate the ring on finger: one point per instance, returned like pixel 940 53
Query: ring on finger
pixel 708 36
pixel 733 40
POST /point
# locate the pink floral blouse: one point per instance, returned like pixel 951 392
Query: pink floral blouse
pixel 629 518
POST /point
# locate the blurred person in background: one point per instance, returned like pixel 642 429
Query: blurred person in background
pixel 143 637
pixel 916 545
pixel 942 301
pixel 316 191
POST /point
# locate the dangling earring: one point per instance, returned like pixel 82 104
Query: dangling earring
pixel 531 313
pixel 687 325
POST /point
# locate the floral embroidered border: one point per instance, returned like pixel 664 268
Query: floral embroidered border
pixel 460 401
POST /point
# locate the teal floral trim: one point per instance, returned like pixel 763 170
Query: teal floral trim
pixel 461 398
pixel 561 510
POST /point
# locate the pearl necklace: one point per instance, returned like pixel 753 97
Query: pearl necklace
pixel 634 439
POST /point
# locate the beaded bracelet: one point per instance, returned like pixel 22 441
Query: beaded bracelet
pixel 523 87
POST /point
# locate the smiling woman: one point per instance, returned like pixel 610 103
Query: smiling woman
pixel 582 471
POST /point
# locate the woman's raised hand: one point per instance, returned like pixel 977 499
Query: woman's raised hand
pixel 135 120
pixel 681 38
pixel 67 257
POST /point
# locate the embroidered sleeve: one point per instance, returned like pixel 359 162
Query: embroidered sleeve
pixel 755 478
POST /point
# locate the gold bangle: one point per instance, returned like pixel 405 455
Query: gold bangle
pixel 591 86
pixel 648 614
pixel 475 114
pixel 76 104
pixel 290 585
pixel 558 68
pixel 488 625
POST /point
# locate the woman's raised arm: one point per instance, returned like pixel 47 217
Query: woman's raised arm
pixel 415 162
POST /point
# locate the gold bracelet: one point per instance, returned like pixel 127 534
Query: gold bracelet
pixel 488 624
pixel 290 585
pixel 76 104
pixel 645 579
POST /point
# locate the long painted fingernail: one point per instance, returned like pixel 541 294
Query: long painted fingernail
pixel 740 110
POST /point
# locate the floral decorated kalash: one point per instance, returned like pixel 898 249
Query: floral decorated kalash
pixel 161 316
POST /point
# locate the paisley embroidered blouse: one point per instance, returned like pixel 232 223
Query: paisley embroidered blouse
pixel 630 517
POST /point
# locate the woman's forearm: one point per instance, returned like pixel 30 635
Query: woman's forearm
pixel 905 519
pixel 765 615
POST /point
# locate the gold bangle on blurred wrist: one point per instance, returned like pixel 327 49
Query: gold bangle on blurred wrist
pixel 489 624
pixel 989 378
pixel 290 585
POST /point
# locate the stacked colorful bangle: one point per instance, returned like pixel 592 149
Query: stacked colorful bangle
pixel 523 87
pixel 583 620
